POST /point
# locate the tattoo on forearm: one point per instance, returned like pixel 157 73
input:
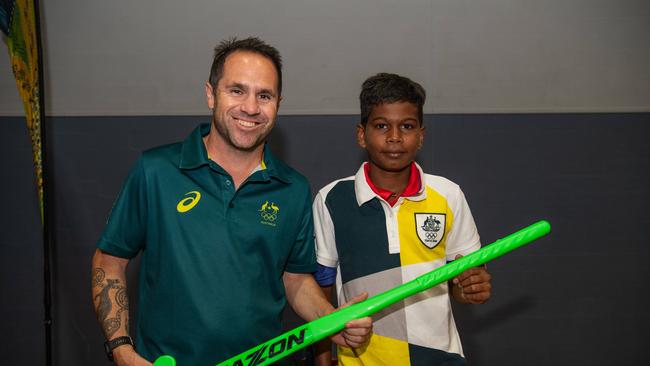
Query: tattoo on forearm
pixel 122 299
pixel 98 277
pixel 104 303
pixel 111 325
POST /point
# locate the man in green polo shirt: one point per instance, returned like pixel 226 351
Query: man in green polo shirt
pixel 224 228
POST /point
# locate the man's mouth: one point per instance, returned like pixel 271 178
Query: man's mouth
pixel 246 123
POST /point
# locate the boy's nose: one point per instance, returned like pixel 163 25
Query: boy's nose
pixel 394 135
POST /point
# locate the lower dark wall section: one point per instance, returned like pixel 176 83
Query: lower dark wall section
pixel 577 297
pixel 22 335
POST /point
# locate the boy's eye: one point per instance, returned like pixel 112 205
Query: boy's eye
pixel 408 126
pixel 380 126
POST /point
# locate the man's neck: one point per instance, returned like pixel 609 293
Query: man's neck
pixel 239 164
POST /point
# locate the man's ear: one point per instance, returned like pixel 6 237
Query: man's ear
pixel 209 95
pixel 361 135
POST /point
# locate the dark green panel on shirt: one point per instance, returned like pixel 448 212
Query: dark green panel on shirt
pixel 360 232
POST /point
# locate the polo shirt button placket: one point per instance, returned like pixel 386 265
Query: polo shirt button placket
pixel 229 187
pixel 391 228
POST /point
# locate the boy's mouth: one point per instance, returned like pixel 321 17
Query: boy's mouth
pixel 394 154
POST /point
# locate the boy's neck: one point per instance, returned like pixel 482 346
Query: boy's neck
pixel 394 182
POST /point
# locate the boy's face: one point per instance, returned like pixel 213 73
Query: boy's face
pixel 392 136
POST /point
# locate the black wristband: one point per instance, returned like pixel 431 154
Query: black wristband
pixel 109 346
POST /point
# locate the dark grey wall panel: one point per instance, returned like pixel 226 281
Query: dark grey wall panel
pixel 576 297
pixel 22 338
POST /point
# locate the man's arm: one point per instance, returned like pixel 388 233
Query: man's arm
pixel 308 301
pixel 323 349
pixel 111 303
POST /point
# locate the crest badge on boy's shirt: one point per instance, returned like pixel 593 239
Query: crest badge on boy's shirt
pixel 430 228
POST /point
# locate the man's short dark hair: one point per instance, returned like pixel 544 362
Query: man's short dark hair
pixel 389 88
pixel 251 44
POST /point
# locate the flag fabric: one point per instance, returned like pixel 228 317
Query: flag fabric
pixel 18 23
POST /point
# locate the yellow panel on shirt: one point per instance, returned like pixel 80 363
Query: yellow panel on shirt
pixel 385 351
pixel 413 232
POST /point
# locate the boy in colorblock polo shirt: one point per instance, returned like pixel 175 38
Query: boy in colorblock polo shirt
pixel 224 229
pixel 390 223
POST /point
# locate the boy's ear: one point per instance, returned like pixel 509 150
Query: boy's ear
pixel 421 142
pixel 361 135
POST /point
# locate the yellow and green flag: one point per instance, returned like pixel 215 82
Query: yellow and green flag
pixel 18 23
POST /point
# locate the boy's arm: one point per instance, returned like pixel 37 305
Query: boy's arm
pixel 472 286
pixel 111 304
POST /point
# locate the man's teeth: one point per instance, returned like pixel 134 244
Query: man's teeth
pixel 246 123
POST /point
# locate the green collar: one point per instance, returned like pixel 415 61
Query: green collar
pixel 194 155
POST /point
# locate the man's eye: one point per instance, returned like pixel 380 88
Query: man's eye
pixel 236 91
pixel 265 97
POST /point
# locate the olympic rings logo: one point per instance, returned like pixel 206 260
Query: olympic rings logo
pixel 269 216
pixel 269 211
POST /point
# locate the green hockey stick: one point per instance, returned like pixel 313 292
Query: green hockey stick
pixel 309 333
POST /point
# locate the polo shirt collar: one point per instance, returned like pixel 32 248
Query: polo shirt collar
pixel 271 167
pixel 364 193
pixel 194 155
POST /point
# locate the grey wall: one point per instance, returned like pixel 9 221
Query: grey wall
pixel 575 297
pixel 150 57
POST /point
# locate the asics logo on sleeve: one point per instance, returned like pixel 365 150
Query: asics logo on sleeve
pixel 188 203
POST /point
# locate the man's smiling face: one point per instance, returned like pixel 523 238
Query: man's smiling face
pixel 246 100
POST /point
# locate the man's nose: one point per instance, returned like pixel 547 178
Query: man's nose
pixel 250 105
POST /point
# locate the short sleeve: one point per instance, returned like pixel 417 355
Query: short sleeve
pixel 125 229
pixel 302 259
pixel 463 238
pixel 326 253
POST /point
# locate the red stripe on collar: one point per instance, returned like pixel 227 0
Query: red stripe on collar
pixel 412 187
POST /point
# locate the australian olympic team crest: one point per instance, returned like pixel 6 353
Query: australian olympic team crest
pixel 430 228
pixel 269 212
